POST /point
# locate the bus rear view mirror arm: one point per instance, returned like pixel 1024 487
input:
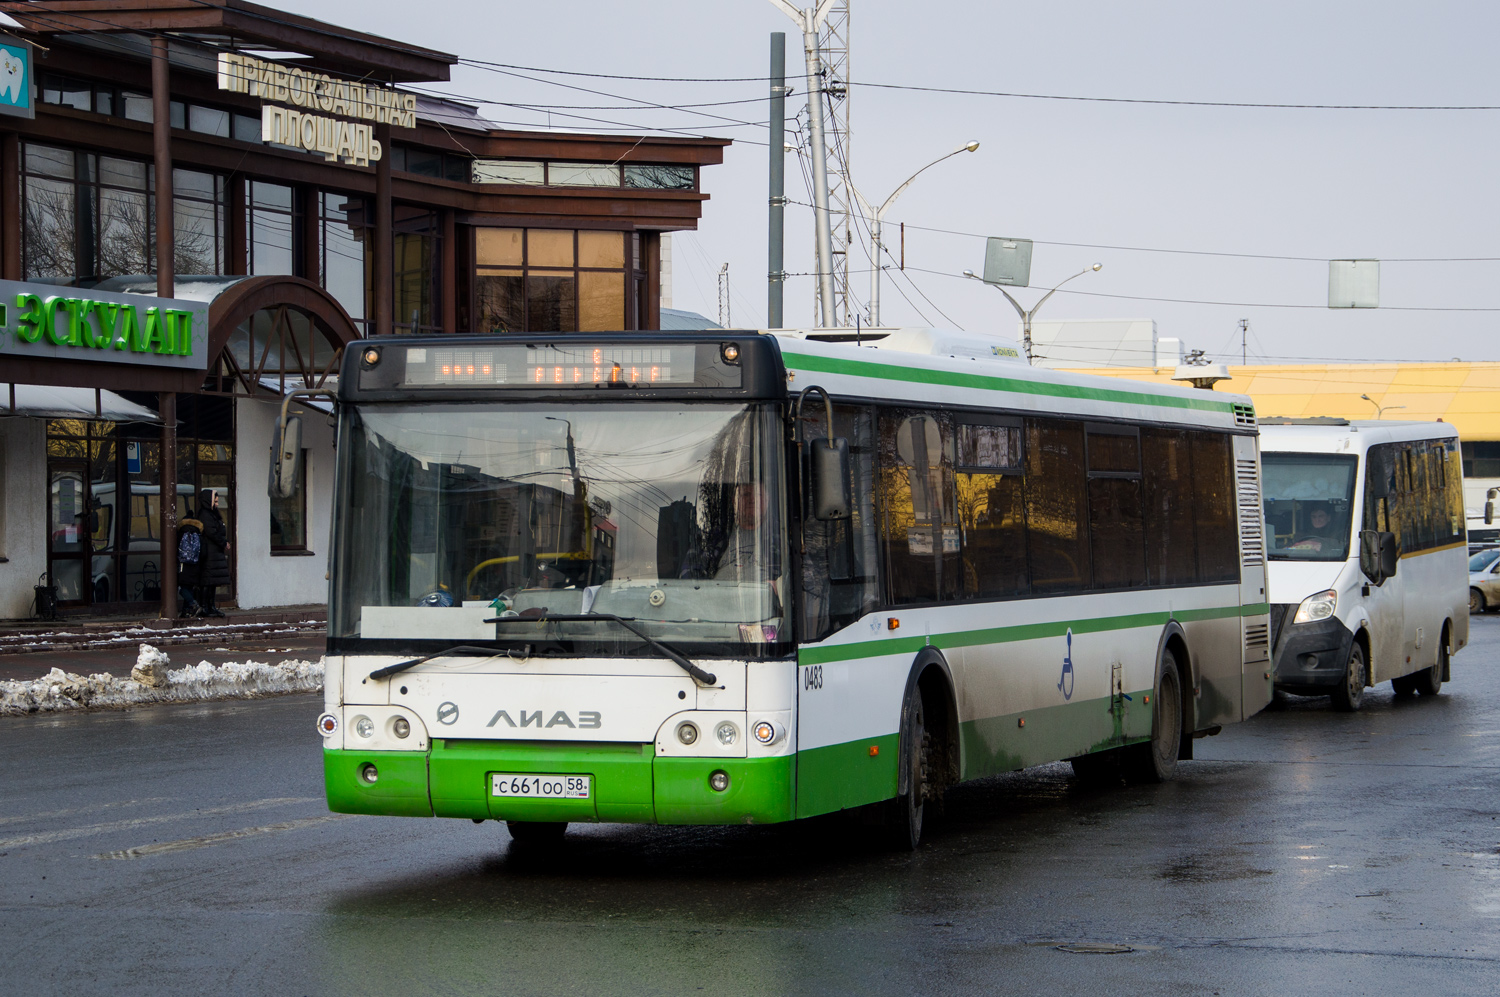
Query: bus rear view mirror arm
pixel 286 445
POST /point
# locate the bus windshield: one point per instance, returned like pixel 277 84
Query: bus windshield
pixel 669 515
pixel 1308 503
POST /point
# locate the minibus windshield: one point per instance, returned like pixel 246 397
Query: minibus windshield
pixel 1308 505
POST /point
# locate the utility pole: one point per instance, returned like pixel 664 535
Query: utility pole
pixel 810 21
pixel 1244 329
pixel 775 242
pixel 724 319
pixel 834 50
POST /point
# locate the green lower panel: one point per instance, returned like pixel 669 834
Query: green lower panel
pixel 400 788
pixel 621 779
pixel 840 776
pixel 1003 744
pixel 760 790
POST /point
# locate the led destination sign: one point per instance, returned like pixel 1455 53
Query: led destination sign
pixel 566 367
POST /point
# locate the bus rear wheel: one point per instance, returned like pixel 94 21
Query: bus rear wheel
pixel 1156 760
pixel 532 833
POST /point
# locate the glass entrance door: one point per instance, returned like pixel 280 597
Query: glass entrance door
pixel 67 530
pixel 220 476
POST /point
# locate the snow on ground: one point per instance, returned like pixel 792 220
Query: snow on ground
pixel 153 680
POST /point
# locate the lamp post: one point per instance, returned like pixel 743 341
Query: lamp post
pixel 1380 409
pixel 1027 315
pixel 878 213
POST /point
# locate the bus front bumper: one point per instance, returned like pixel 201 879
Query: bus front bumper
pixel 1312 657
pixel 628 783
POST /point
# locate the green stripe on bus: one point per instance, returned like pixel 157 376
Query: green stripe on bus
pixel 1023 631
pixel 990 382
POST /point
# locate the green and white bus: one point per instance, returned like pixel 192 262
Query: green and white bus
pixel 734 577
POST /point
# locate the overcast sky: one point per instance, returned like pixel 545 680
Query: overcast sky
pixel 1295 183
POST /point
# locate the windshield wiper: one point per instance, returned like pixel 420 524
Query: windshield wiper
pixel 707 678
pixel 466 649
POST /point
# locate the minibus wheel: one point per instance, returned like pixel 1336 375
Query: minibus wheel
pixel 1350 693
pixel 1156 760
pixel 1430 681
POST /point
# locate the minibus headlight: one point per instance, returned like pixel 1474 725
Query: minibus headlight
pixel 1319 606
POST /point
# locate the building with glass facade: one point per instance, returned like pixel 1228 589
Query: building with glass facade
pixel 274 170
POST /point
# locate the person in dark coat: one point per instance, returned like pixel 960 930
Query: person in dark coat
pixel 213 562
pixel 188 572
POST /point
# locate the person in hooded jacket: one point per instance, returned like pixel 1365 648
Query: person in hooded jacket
pixel 213 561
pixel 188 572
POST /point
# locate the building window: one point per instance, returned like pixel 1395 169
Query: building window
pixel 549 280
pixel 431 163
pixel 343 241
pixel 272 231
pixel 417 248
pixel 525 172
pixel 289 515
pixel 89 217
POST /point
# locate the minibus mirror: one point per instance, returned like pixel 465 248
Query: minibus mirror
pixel 828 471
pixel 1369 555
pixel 285 448
pixel 1388 555
pixel 1489 505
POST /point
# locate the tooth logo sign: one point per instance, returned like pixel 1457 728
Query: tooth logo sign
pixel 12 77
pixel 1065 683
pixel 447 714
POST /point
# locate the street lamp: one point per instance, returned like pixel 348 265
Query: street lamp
pixel 1027 315
pixel 1379 408
pixel 877 214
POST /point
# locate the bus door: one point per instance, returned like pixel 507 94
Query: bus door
pixel 1256 666
pixel 1385 603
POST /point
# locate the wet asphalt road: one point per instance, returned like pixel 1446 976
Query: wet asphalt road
pixel 186 850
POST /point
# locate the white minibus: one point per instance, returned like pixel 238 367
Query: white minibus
pixel 1368 572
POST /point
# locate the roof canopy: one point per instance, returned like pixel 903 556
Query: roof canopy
pixel 39 401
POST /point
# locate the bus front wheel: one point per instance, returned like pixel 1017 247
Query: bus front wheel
pixel 908 809
pixel 1156 760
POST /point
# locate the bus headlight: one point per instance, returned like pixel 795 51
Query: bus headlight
pixel 727 733
pixel 1318 606
pixel 687 733
pixel 401 727
pixel 364 726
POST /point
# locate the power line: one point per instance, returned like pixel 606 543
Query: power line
pixel 1010 93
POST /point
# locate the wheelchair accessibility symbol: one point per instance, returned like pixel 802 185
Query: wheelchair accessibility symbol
pixel 1065 683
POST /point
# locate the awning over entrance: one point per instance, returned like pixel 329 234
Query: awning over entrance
pixel 43 402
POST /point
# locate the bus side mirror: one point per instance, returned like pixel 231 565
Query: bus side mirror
pixel 1489 505
pixel 829 474
pixel 285 448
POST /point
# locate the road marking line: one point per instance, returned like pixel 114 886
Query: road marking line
pixel 49 814
pixel 67 834
pixel 163 847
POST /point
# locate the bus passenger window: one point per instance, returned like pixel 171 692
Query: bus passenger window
pixel 919 515
pixel 991 512
pixel 1171 539
pixel 1055 511
pixel 1213 486
pixel 1116 533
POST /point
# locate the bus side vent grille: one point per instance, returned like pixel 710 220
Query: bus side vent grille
pixel 1252 540
pixel 1257 642
pixel 1244 415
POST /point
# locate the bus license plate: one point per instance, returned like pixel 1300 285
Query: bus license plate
pixel 546 787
